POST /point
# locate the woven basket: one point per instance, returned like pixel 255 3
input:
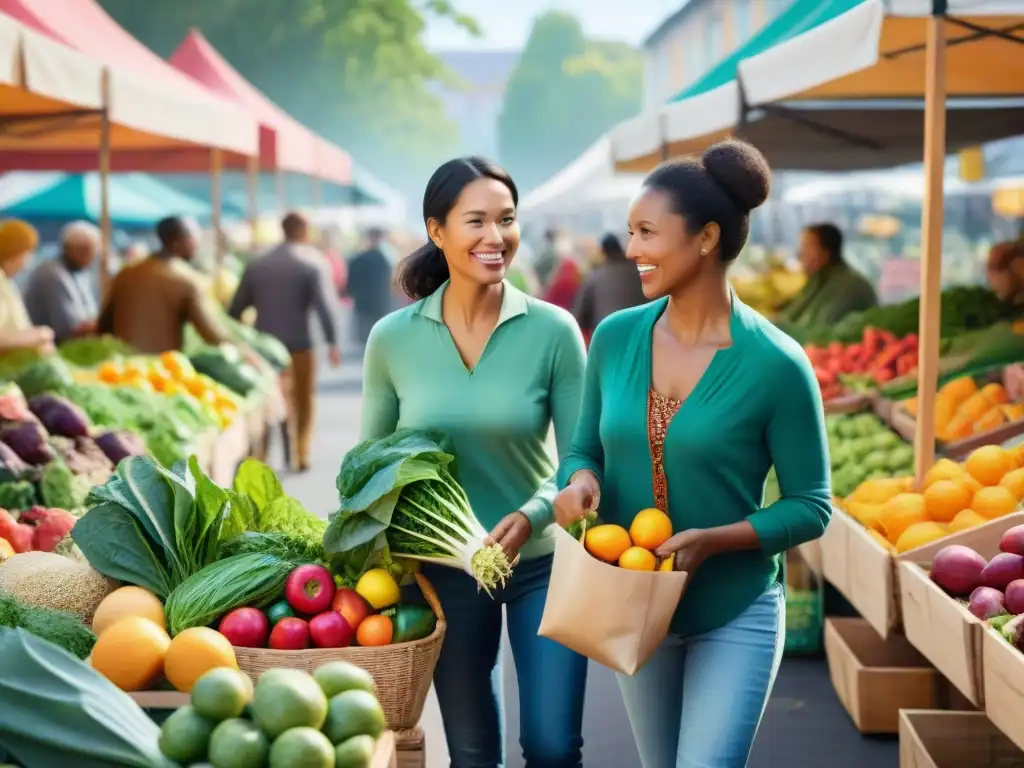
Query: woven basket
pixel 402 672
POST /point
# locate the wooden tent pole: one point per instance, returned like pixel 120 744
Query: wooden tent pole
pixel 253 189
pixel 931 244
pixel 106 231
pixel 216 177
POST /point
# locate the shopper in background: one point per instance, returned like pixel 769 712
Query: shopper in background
pixel 1006 271
pixel 285 286
pixel 18 243
pixel 614 284
pixel 564 285
pixel 59 293
pixel 689 400
pixel 494 369
pixel 547 259
pixel 834 289
pixel 369 285
pixel 151 301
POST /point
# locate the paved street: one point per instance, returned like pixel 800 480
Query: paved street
pixel 804 727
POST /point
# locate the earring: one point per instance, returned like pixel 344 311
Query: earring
pixel 703 251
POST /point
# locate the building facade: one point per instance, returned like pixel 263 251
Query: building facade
pixel 474 105
pixel 695 38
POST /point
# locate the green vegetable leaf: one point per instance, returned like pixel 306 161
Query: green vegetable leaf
pixel 241 516
pixel 258 481
pixel 211 502
pixel 153 502
pixel 115 545
pixel 352 532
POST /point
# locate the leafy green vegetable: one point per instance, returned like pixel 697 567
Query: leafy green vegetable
pixel 151 526
pixel 60 711
pixel 12 363
pixel 403 488
pixel 280 544
pixel 18 494
pixel 272 510
pixel 50 374
pixel 60 487
pixel 57 627
pixel 255 579
pixel 89 351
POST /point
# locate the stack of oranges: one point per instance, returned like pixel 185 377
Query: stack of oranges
pixel 963 409
pixel 953 497
pixel 632 549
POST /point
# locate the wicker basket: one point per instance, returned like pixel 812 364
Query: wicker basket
pixel 402 672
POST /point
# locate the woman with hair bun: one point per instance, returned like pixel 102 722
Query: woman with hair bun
pixel 688 402
pixel 494 369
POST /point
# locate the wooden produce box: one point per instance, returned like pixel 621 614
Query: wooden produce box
pixel 411 745
pixel 850 403
pixel 940 627
pixel 876 678
pixel 810 552
pixel 1003 668
pixel 930 739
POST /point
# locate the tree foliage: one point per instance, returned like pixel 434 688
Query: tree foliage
pixel 565 92
pixel 355 71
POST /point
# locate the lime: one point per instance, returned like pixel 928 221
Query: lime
pixel 288 699
pixel 302 748
pixel 356 752
pixel 185 735
pixel 339 676
pixel 238 743
pixel 353 713
pixel 222 693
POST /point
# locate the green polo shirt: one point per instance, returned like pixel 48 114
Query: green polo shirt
pixel 499 414
pixel 756 405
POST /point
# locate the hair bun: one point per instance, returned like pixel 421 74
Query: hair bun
pixel 740 169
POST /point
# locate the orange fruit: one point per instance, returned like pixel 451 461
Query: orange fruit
pixel 882 541
pixel 131 653
pixel 943 499
pixel 124 602
pixel 1013 481
pixel 974 407
pixel 637 559
pixel 965 520
pixel 650 529
pixel 375 630
pixel 993 419
pixel 995 393
pixel 607 542
pixel 194 652
pixel 989 464
pixel 994 501
pixel 959 427
pixel 919 534
pixel 901 512
pixel 943 469
pixel 959 389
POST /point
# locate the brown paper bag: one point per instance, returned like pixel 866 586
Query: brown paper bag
pixel 612 615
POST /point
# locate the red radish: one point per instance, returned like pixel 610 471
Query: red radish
pixel 245 627
pixel 351 605
pixel 309 589
pixel 958 569
pixel 290 634
pixel 1003 569
pixel 330 630
pixel 986 603
pixel 1012 540
pixel 1014 597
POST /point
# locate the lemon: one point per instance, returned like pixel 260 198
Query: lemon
pixel 378 588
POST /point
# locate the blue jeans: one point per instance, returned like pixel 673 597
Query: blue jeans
pixel 699 700
pixel 552 679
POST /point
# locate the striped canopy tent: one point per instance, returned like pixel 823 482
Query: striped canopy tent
pixel 839 85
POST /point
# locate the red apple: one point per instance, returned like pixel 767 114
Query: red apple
pixel 330 630
pixel 290 634
pixel 351 605
pixel 245 627
pixel 309 589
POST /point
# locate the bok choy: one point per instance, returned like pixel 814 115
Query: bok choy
pixel 401 491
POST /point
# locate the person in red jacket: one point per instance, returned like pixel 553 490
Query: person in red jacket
pixel 565 284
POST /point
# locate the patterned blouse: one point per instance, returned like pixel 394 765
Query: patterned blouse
pixel 660 412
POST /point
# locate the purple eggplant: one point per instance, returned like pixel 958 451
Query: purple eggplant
pixel 60 416
pixel 29 441
pixel 121 444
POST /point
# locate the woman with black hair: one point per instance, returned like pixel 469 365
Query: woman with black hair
pixel 688 402
pixel 612 286
pixel 494 369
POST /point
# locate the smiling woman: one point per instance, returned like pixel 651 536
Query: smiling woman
pixel 494 369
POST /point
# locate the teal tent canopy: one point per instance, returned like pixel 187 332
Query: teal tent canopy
pixel 135 200
pixel 298 190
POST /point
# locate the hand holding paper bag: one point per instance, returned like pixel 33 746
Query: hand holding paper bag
pixel 614 616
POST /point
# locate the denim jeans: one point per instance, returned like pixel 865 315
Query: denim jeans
pixel 552 679
pixel 699 700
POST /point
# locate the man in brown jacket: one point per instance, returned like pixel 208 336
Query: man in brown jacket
pixel 151 301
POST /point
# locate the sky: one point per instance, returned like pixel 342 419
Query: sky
pixel 506 24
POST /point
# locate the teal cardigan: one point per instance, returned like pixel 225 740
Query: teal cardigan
pixel 758 404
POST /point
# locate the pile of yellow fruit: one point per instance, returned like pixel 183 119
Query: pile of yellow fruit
pixel 632 549
pixel 963 409
pixel 171 374
pixel 953 497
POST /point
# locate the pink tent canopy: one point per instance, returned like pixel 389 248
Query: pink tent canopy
pixel 285 144
pixel 146 93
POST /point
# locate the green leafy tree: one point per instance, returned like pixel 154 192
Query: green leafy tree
pixel 355 71
pixel 565 92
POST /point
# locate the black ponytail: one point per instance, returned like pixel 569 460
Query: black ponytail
pixel 425 270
